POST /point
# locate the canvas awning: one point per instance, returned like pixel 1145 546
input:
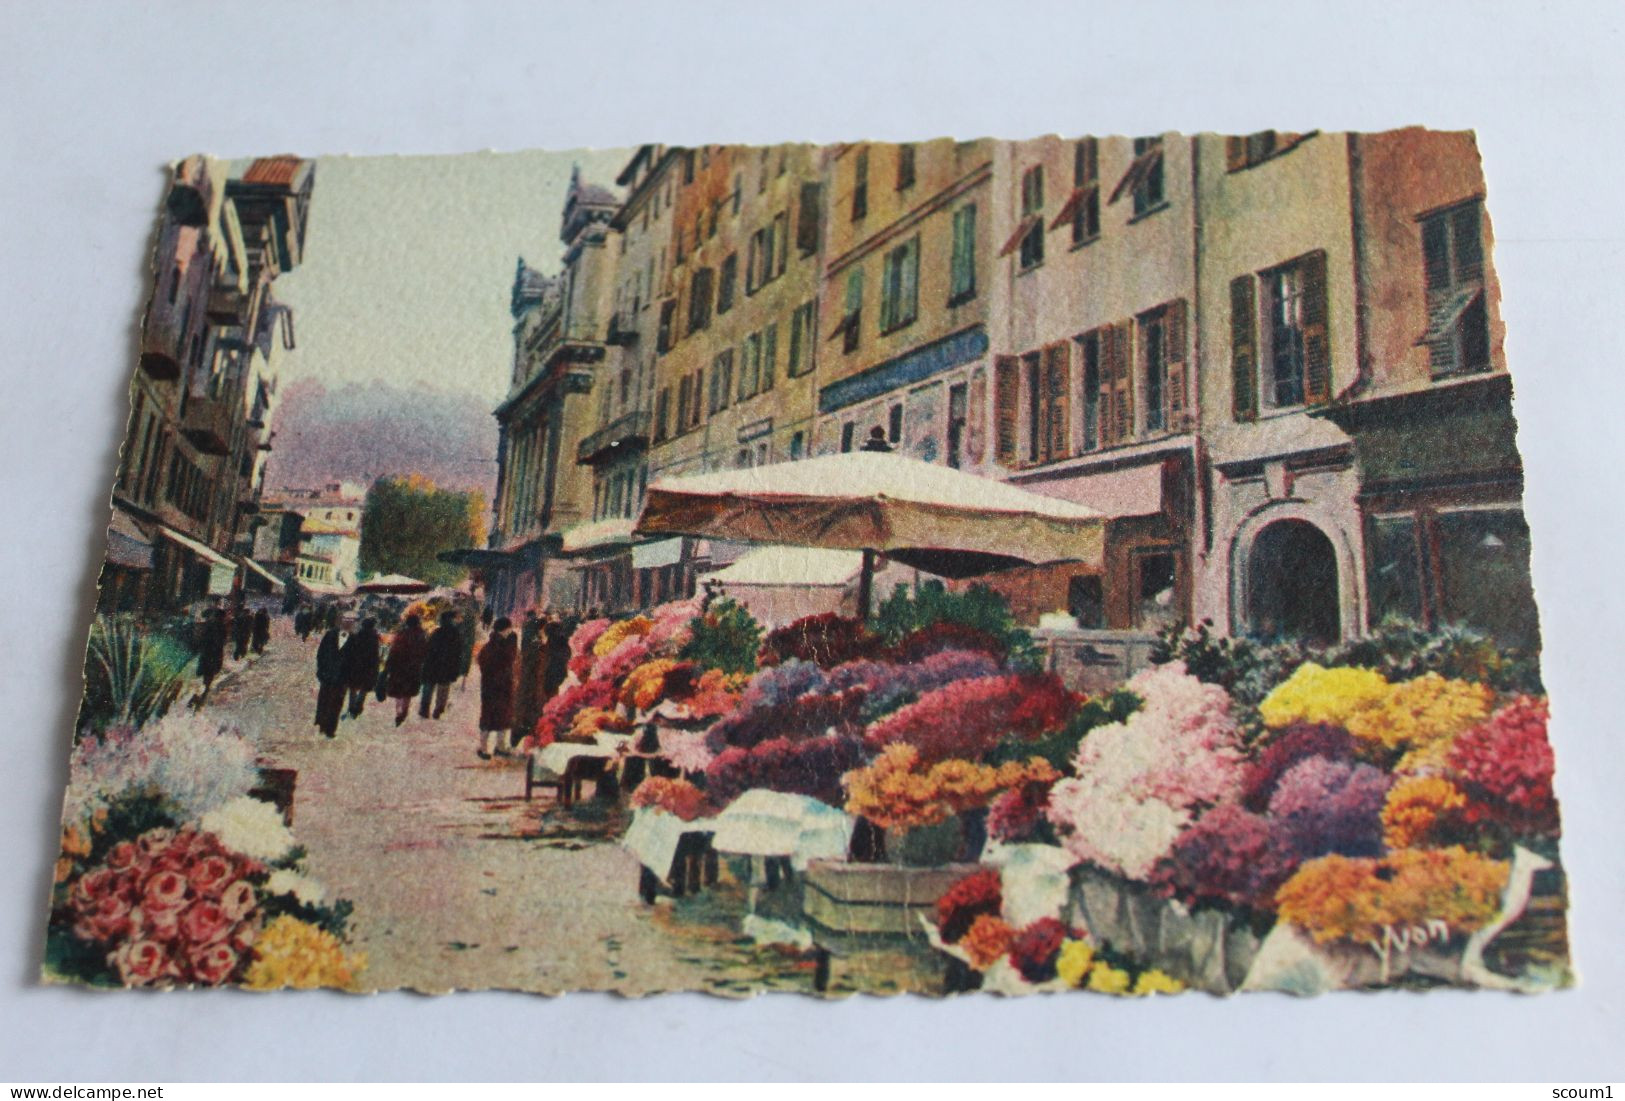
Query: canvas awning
pixel 222 570
pixel 921 514
pixel 1131 491
pixel 596 534
pixel 128 544
pixel 810 566
pixel 661 552
pixel 276 583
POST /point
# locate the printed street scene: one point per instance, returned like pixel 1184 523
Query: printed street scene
pixel 1084 564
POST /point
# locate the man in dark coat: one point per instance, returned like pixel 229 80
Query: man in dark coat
pixel 262 630
pixel 360 660
pixel 441 663
pixel 497 661
pixel 242 632
pixel 528 698
pixel 211 651
pixel 557 663
pixel 301 623
pixel 403 668
pixel 330 681
pixel 468 627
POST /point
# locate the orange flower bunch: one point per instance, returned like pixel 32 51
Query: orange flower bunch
pixel 1359 898
pixel 677 797
pixel 1415 806
pixel 590 721
pixel 987 940
pixel 645 686
pixel 895 791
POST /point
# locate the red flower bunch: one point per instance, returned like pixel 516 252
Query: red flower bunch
pixel 977 894
pixel 806 766
pixel 946 634
pixel 1015 815
pixel 1034 950
pixel 826 640
pixel 678 797
pixel 561 710
pixel 172 906
pixel 1505 763
pixel 968 718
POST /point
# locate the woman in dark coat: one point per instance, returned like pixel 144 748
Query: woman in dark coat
pixel 242 632
pixel 329 682
pixel 558 658
pixel 442 662
pixel 497 660
pixel 403 668
pixel 528 697
pixel 262 630
pixel 211 651
pixel 360 661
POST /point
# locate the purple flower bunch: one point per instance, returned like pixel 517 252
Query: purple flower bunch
pixel 1325 806
pixel 811 766
pixel 1286 748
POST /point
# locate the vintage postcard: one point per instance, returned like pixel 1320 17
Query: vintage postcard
pixel 1072 564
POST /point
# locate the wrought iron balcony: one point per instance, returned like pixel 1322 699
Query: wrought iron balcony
pixel 625 433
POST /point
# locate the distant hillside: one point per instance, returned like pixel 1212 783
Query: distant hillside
pixel 357 433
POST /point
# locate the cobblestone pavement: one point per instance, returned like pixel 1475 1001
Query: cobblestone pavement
pixel 458 882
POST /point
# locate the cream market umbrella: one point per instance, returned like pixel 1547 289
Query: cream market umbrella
pixel 932 517
pixel 393 583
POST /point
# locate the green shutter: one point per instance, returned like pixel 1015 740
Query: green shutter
pixel 1244 348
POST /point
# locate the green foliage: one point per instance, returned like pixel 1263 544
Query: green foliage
pixel 907 611
pixel 408 522
pixel 129 815
pixel 67 957
pixel 726 637
pixel 1059 747
pixel 133 673
pixel 1246 668
pixel 1401 649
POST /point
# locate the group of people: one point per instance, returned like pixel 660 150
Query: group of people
pixel 243 628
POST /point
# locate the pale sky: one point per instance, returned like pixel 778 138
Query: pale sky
pixel 409 262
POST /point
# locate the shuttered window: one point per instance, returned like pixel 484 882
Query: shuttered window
pixel 1297 360
pixel 899 288
pixel 1243 348
pixel 962 272
pixel 1162 366
pixel 1457 336
pixel 1116 384
pixel 1032 214
pixel 807 218
pixel 770 352
pixel 1006 408
pixel 699 300
pixel 803 340
pixel 1058 402
pixel 1089 387
pixel 1081 210
pixel 860 185
pixel 727 282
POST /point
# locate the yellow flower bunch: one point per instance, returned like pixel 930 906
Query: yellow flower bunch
pixel 1152 981
pixel 1425 713
pixel 618 632
pixel 1314 694
pixel 295 953
pixel 590 721
pixel 1415 804
pixel 1106 979
pixel 643 686
pixel 1072 965
pixel 1357 898
pixel 893 791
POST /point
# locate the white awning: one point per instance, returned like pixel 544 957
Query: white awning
pixel 598 533
pixel 653 556
pixel 128 545
pixel 814 567
pixel 276 583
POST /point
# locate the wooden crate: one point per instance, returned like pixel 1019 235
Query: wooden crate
pixel 875 898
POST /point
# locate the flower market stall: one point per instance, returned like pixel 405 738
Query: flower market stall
pixel 1305 823
pixel 173 874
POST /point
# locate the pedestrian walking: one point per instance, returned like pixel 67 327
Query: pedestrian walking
pixel 528 688
pixel 498 660
pixel 441 662
pixel 403 668
pixel 360 661
pixel 211 651
pixel 330 680
pixel 242 632
pixel 301 623
pixel 262 630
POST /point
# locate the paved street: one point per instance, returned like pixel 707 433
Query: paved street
pixel 456 880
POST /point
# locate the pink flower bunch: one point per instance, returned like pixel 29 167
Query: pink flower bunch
pixel 886 685
pixel 560 711
pixel 171 906
pixel 584 636
pixel 1286 748
pixel 968 718
pixel 1138 783
pixel 671 631
pixel 631 653
pixel 1506 765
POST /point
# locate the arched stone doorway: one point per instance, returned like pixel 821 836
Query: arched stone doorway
pixel 1292 583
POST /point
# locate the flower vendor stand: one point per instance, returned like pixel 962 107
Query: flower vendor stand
pixel 675 856
pixel 1207 949
pixel 852 906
